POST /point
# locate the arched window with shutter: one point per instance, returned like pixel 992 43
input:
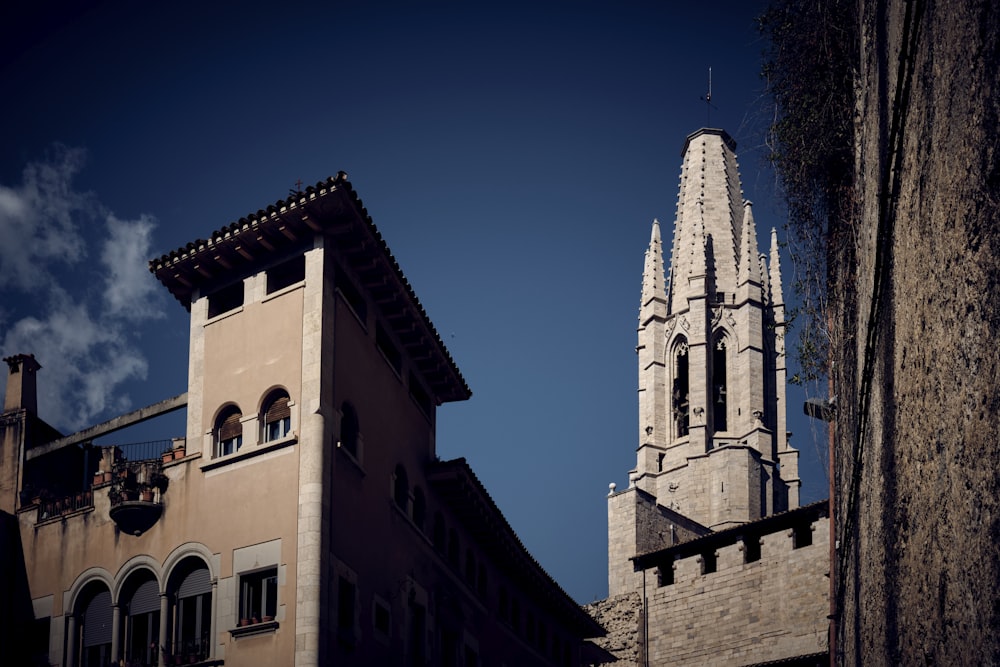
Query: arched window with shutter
pixel 190 617
pixel 277 418
pixel 228 431
pixel 140 606
pixel 93 611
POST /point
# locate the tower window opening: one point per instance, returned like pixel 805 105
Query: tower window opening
pixel 751 549
pixel 665 575
pixel 681 405
pixel 719 383
pixel 709 562
pixel 802 536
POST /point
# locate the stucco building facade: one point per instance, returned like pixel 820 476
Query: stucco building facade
pixel 304 517
pixel 711 560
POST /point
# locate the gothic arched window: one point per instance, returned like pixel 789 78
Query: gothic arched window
pixel 719 387
pixel 680 400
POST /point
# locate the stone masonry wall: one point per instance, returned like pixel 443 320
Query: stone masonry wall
pixel 621 616
pixel 637 525
pixel 743 613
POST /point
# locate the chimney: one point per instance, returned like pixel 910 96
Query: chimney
pixel 21 383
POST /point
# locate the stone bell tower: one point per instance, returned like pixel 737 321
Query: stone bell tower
pixel 712 438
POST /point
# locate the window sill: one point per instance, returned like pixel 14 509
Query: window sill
pixel 221 316
pixel 250 451
pixel 352 459
pixel 284 290
pixel 254 629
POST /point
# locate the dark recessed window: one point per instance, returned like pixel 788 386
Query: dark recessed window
pixel 349 429
pixel 381 618
pixel 802 536
pixel 751 549
pixel 226 299
pixel 285 274
pixel 388 350
pixel 419 507
pixel 420 396
pixel 401 488
pixel 352 296
pixel 665 575
pixel 709 562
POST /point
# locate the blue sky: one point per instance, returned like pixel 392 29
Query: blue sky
pixel 512 154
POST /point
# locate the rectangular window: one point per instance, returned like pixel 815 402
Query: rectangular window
pixel 418 632
pixel 388 350
pixel 226 299
pixel 802 536
pixel 259 596
pixel 665 575
pixel 345 604
pixel 352 296
pixel 709 563
pixel 277 430
pixel 286 274
pixel 381 618
pixel 751 549
pixel 421 397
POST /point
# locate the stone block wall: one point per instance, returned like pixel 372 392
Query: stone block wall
pixel 621 616
pixel 743 613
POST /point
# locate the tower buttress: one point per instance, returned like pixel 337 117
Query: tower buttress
pixel 653 394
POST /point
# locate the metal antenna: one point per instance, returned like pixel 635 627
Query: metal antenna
pixel 707 99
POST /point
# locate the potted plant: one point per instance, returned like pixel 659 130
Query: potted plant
pixel 146 495
pixel 179 451
pixel 168 456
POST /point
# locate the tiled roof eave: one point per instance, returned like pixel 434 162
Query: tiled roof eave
pixel 472 503
pixel 329 207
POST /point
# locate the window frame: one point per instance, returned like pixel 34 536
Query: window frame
pixel 227 446
pixel 254 589
pixel 284 423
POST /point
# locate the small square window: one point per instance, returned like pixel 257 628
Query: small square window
pixel 286 274
pixel 709 563
pixel 259 596
pixel 225 299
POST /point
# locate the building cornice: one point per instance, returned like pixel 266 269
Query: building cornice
pixel 333 209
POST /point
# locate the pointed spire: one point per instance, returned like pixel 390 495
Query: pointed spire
pixel 698 264
pixel 708 206
pixel 776 295
pixel 749 270
pixel 652 271
pixel 765 284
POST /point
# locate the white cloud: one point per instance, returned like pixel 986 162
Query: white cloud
pixel 84 338
pixel 130 291
pixel 85 359
pixel 40 221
